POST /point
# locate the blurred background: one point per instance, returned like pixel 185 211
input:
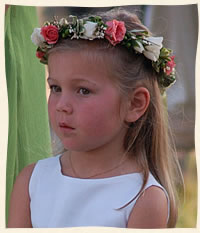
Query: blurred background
pixel 179 27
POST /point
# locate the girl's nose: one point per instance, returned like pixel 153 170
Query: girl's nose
pixel 64 106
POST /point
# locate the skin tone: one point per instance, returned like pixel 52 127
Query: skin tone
pixel 88 113
pixel 92 110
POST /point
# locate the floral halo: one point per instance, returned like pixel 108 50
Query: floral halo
pixel 115 32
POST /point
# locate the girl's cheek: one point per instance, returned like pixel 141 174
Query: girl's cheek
pixel 51 106
pixel 51 101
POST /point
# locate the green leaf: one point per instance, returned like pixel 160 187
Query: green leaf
pixel 135 43
pixel 139 31
pixel 128 45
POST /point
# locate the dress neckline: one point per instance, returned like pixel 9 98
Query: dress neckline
pixel 94 180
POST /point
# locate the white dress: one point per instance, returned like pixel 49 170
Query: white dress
pixel 63 201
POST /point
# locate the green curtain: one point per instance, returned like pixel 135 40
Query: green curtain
pixel 28 132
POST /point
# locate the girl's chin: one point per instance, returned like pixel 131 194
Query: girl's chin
pixel 72 146
pixel 77 147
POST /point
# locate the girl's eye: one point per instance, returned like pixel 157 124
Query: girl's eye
pixel 55 88
pixel 84 91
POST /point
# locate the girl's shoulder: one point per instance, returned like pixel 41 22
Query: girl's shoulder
pixel 20 196
pixel 23 178
pixel 150 210
pixel 26 172
pixel 20 199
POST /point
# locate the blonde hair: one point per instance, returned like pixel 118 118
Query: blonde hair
pixel 149 138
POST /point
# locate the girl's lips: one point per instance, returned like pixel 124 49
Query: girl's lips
pixel 65 128
pixel 64 125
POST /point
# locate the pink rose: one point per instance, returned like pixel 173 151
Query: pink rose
pixel 170 65
pixel 50 34
pixel 40 54
pixel 115 31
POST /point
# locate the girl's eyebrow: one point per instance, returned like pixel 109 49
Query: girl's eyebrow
pixel 75 80
pixel 79 80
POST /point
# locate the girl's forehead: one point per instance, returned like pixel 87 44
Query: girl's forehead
pixel 79 55
pixel 79 65
pixel 76 61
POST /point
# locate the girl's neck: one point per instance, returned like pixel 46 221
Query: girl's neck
pixel 96 164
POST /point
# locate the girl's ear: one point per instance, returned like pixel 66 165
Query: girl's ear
pixel 137 104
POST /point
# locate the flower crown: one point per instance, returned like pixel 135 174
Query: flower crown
pixel 115 32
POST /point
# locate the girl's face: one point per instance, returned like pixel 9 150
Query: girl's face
pixel 85 107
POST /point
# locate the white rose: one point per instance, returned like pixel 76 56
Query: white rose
pixel 63 22
pixel 155 40
pixel 89 29
pixel 37 38
pixel 150 55
pixel 152 51
pixel 139 49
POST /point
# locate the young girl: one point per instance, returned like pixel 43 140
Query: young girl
pixel 107 75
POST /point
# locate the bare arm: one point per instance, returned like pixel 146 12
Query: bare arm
pixel 150 210
pixel 19 211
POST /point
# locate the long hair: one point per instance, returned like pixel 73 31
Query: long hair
pixel 149 138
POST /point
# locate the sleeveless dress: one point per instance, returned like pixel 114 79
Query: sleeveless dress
pixel 63 201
